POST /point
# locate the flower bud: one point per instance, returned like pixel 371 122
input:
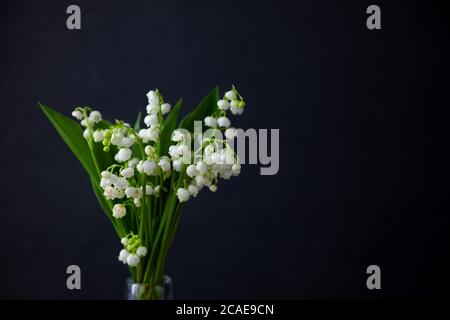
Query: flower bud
pixel 230 95
pixel 86 134
pixel 165 108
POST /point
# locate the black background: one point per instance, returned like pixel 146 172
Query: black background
pixel 362 115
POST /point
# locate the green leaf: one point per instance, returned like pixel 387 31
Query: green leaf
pixel 135 147
pixel 170 124
pixel 137 124
pixel 106 206
pixel 206 107
pixel 70 132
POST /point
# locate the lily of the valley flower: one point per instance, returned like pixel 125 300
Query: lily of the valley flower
pixel 119 211
pixel 123 155
pixel 183 195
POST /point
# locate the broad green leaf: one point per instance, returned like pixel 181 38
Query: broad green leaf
pixel 135 147
pixel 70 132
pixel 137 124
pixel 170 124
pixel 206 107
pixel 136 151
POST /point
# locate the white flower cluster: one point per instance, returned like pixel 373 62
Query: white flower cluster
pixel 122 136
pixel 133 250
pixel 87 119
pixel 123 182
pixel 216 162
pixel 153 120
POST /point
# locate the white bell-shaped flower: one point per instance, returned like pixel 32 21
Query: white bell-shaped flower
pixel 236 110
pixel 133 260
pixel 86 134
pixel 133 162
pixel 178 135
pixel 98 135
pixel 77 114
pixel 202 168
pixel 183 195
pixel 153 108
pixel 223 105
pixel 127 172
pixel 119 211
pixel 123 155
pixel 121 183
pixel 151 120
pixel 141 251
pixel 210 122
pixel 152 97
pixel 191 170
pixel 150 168
pixel 193 190
pixel 95 116
pixel 223 122
pixel 177 165
pixel 165 108
pixel 123 255
pixel 230 95
pixel 164 163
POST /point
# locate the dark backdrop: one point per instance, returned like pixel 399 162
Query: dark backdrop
pixel 362 115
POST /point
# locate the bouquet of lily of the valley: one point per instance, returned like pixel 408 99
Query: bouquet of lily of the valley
pixel 143 176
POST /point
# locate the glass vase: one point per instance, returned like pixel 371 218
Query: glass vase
pixel 145 291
